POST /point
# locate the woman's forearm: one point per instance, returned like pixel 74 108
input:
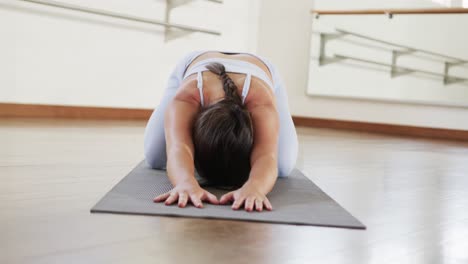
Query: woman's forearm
pixel 180 166
pixel 264 173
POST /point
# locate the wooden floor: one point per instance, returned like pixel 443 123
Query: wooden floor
pixel 411 193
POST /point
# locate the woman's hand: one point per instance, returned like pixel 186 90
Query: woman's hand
pixel 249 196
pixel 184 193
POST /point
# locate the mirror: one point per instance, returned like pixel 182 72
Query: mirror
pixel 415 58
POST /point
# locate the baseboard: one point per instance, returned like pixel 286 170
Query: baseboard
pixel 391 129
pixel 11 110
pixel 72 112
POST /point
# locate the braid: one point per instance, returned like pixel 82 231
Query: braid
pixel 230 88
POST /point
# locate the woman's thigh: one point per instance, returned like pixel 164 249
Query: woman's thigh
pixel 287 143
pixel 155 140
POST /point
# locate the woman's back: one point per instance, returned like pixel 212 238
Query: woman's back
pixel 258 88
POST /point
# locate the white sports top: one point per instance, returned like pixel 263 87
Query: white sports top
pixel 234 66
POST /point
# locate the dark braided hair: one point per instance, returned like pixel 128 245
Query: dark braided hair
pixel 230 88
pixel 223 136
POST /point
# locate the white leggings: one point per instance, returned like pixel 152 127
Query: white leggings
pixel 155 142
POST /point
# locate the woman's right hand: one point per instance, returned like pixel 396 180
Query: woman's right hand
pixel 183 193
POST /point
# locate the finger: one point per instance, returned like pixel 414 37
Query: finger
pixel 196 201
pixel 258 205
pixel 161 197
pixel 228 197
pixel 267 204
pixel 211 198
pixel 237 203
pixel 249 203
pixel 172 198
pixel 183 200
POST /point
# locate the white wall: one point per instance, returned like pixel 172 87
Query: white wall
pixel 56 56
pixel 94 61
pixel 288 47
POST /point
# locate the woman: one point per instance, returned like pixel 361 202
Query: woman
pixel 225 115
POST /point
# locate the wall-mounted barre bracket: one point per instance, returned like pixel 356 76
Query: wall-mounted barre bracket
pixel 396 71
pixel 448 79
pixel 174 33
pixel 451 80
pixel 324 38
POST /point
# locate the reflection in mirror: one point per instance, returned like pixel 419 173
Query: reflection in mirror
pixel 416 58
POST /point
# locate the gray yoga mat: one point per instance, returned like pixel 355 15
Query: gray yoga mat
pixel 295 199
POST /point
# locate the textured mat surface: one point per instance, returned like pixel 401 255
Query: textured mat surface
pixel 295 199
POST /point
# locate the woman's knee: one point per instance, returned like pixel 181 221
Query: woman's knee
pixel 287 162
pixel 285 168
pixel 287 149
pixel 155 161
pixel 155 147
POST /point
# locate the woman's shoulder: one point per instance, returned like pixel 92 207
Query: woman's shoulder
pixel 188 90
pixel 260 93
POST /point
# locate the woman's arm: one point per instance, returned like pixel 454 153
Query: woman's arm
pixel 178 122
pixel 264 158
pixel 179 118
pixel 264 165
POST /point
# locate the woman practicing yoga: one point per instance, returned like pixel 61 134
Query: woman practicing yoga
pixel 227 116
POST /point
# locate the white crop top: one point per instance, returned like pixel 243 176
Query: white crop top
pixel 233 66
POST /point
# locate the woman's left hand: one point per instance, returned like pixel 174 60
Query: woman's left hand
pixel 249 196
